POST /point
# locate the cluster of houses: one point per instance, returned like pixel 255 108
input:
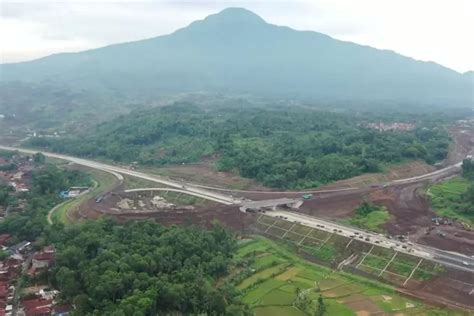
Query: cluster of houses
pixel 19 175
pixel 383 127
pixel 38 300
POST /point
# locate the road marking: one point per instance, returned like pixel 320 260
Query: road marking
pixel 366 254
pixel 412 272
pixel 386 266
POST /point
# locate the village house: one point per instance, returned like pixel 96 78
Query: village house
pixel 35 307
pixel 42 260
pixel 20 248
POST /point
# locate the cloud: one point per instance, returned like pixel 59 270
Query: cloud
pixel 424 29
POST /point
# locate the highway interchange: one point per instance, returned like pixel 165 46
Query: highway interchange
pixel 449 259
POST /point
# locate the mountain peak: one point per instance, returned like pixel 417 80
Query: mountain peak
pixel 235 51
pixel 235 16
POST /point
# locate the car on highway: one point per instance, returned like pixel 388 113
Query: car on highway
pixel 465 263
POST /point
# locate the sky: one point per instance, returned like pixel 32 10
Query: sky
pixel 431 30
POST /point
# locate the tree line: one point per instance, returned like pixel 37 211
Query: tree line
pixel 468 173
pixel 282 148
pixel 143 268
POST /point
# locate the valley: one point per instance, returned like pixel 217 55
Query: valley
pixel 233 165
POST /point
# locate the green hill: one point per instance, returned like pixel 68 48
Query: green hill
pixel 236 51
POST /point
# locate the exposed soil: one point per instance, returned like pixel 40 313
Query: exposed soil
pixel 450 286
pixel 411 215
pixel 205 173
pixel 229 216
pixel 463 145
pixel 334 205
pixel 410 211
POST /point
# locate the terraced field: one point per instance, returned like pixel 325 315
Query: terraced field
pixel 271 277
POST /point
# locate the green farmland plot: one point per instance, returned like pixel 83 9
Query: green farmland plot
pixel 375 262
pixel 276 232
pixel 291 236
pixel 283 224
pixel 272 289
pixel 267 220
pixel 302 230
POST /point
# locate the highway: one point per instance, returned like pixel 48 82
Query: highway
pixel 216 197
pixel 209 191
pixel 427 176
pixel 449 259
pixel 446 258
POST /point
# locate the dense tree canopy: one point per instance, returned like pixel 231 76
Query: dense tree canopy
pixel 143 268
pixel 140 268
pixel 468 168
pixel 468 173
pixel 285 148
pixel 45 185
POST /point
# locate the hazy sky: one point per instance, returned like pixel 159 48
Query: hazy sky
pixel 436 30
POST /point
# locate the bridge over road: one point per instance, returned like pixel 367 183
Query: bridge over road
pixel 271 204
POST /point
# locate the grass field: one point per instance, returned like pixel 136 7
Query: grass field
pixel 274 275
pixel 371 221
pixel 137 183
pixel 446 199
pixel 184 199
pixel 103 182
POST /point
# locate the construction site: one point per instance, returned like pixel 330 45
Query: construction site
pixel 401 191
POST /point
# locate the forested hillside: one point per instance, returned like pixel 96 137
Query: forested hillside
pixel 236 51
pixel 285 148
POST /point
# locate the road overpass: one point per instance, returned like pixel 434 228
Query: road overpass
pixel 270 204
pixel 449 259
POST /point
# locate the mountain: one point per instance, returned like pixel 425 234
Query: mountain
pixel 236 51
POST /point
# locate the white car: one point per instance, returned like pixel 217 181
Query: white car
pixel 465 263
